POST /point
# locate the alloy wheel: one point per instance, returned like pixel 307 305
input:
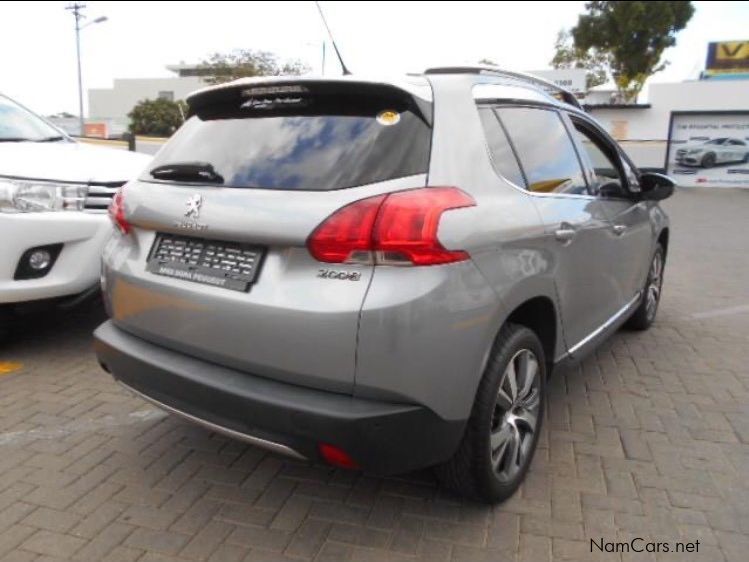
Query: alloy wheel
pixel 515 417
pixel 654 285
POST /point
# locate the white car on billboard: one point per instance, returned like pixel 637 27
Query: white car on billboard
pixel 707 154
pixel 54 194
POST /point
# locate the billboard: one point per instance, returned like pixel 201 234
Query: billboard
pixel 709 149
pixel 571 79
pixel 727 57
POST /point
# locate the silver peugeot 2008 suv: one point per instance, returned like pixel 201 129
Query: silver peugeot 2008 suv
pixel 379 274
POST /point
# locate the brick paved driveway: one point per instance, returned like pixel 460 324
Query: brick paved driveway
pixel 649 438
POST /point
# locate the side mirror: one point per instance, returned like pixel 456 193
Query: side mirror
pixel 612 188
pixel 655 186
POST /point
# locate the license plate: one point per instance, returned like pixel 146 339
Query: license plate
pixel 228 265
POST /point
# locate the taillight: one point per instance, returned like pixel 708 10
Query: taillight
pixel 394 229
pixel 346 235
pixel 116 211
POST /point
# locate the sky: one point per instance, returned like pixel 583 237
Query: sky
pixel 38 61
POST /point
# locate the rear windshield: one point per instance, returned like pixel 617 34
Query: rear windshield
pixel 298 142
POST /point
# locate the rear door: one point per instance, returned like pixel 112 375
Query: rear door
pixel 216 264
pixel 575 222
pixel 629 241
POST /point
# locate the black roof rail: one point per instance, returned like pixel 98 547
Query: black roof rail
pixel 565 95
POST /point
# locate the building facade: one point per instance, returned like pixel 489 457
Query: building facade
pixel 111 105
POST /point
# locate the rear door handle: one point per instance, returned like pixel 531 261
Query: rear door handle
pixel 620 229
pixel 564 234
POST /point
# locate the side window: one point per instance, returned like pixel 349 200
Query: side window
pixel 605 162
pixel 500 150
pixel 545 150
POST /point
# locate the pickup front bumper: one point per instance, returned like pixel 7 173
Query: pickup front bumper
pixel 77 267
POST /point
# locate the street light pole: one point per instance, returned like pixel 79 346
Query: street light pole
pixel 77 9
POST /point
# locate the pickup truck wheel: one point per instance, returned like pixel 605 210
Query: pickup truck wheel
pixel 644 316
pixel 502 433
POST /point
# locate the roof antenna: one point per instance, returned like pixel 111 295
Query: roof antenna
pixel 346 71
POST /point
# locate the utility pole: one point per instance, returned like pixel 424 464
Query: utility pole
pixel 77 10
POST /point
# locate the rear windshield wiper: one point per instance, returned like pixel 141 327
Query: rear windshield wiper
pixel 187 171
pixel 51 139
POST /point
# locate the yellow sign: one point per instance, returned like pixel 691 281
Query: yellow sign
pixel 727 57
pixel 733 50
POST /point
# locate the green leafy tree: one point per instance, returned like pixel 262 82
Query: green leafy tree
pixel 566 55
pixel 160 117
pixel 241 63
pixel 632 37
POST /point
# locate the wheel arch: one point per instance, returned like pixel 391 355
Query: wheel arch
pixel 539 314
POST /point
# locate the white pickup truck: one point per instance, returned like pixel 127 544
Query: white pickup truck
pixel 54 194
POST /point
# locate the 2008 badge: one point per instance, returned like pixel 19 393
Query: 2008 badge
pixel 342 275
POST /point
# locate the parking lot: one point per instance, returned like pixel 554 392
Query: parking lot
pixel 647 438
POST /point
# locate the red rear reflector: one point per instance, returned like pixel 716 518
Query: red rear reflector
pixel 395 229
pixel 116 211
pixel 337 457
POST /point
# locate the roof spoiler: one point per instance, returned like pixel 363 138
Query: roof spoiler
pixel 563 94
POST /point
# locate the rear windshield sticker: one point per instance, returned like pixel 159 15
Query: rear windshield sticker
pixel 388 117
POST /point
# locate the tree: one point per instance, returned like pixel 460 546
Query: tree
pixel 240 63
pixel 159 117
pixel 488 62
pixel 568 56
pixel 63 115
pixel 632 36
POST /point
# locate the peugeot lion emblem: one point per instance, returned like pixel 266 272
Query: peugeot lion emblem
pixel 193 206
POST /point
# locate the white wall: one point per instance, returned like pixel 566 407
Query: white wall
pixel 651 124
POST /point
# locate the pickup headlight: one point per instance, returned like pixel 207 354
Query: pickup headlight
pixel 28 196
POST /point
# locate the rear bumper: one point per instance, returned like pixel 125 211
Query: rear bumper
pixel 382 437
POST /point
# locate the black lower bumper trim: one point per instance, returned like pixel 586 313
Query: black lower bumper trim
pixel 383 438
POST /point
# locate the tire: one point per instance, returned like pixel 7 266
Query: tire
pixel 644 315
pixel 5 318
pixel 708 160
pixel 490 436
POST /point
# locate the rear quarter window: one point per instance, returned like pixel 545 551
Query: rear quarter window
pixel 502 155
pixel 304 143
pixel 547 155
